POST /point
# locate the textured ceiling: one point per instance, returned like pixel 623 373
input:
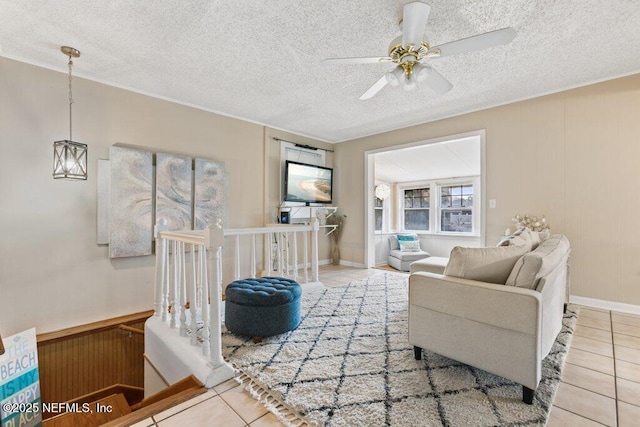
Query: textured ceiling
pixel 260 60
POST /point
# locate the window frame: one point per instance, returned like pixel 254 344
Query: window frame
pixel 401 214
pixel 435 209
pixel 386 212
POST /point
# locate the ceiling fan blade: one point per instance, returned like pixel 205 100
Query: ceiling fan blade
pixel 414 22
pixel 377 87
pixel 438 83
pixel 481 41
pixel 364 60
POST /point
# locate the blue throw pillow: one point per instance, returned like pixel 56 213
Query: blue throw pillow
pixel 406 237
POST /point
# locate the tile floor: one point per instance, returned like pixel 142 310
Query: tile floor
pixel 601 378
pixel 600 381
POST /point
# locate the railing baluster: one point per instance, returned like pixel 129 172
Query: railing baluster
pixel 269 249
pixel 253 256
pixel 305 240
pixel 206 308
pixel 183 291
pixel 174 284
pixel 314 250
pixel 280 253
pixel 237 264
pixel 295 256
pixel 193 299
pixel 165 279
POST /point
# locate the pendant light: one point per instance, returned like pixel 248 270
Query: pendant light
pixel 69 157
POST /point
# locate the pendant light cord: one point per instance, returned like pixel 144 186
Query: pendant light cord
pixel 70 100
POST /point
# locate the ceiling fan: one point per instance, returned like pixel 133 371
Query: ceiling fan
pixel 409 51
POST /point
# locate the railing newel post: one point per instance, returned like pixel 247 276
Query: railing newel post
pixel 160 226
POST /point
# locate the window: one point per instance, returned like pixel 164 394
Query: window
pixel 451 210
pixel 456 208
pixel 378 206
pixel 417 203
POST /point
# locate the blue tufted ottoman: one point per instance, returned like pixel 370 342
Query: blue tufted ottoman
pixel 262 307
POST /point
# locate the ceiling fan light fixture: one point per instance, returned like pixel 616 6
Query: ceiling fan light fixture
pixel 395 76
pixel 410 83
pixel 391 78
pixel 422 72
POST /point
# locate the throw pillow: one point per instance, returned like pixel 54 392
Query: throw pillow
pixel 407 237
pixel 529 238
pixel 409 246
pixel 506 240
pixel 492 265
pixel 540 262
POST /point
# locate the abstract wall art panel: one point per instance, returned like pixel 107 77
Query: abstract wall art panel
pixel 209 192
pixel 130 206
pixel 173 190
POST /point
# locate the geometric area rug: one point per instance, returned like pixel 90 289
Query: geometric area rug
pixel 349 364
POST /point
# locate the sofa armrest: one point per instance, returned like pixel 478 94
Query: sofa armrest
pixel 505 307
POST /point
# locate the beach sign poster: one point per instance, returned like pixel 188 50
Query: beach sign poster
pixel 20 381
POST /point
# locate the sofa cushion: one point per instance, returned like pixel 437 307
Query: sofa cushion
pixel 433 264
pixel 491 265
pixel 539 262
pixel 408 256
pixel 409 246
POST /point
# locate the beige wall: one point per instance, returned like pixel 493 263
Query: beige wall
pixel 52 272
pixel 573 156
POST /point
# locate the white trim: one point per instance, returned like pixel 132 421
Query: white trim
pixel 607 305
pixel 352 264
pixel 369 218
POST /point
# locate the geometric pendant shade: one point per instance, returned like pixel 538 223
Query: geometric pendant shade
pixel 69 160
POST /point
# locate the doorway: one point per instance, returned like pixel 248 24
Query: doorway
pixel 434 188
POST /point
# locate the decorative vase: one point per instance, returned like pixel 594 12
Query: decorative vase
pixel 335 254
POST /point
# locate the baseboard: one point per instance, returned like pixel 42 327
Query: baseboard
pixel 606 305
pixel 351 264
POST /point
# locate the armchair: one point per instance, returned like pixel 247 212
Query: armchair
pixel 401 259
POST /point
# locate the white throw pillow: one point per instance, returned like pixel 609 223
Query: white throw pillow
pixel 492 265
pixel 535 264
pixel 409 246
pixel 527 237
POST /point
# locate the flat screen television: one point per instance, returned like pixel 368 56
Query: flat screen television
pixel 307 183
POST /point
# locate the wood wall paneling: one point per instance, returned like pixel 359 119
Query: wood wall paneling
pixel 89 359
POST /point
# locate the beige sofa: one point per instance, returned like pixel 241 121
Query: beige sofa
pixel 497 309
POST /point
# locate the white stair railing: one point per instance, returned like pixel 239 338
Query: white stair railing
pixel 188 285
